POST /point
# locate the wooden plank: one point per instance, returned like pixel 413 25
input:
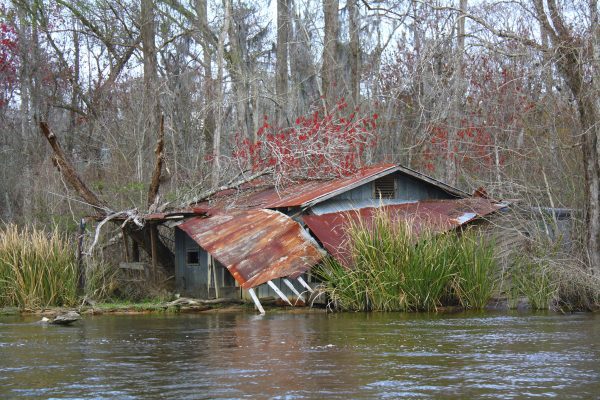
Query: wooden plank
pixel 303 283
pixel 279 293
pixel 80 271
pixel 136 266
pixel 256 301
pixel 293 289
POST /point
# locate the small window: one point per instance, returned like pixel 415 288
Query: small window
pixel 192 257
pixel 384 188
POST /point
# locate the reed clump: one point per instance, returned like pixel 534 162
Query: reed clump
pixel 37 268
pixel 394 269
pixel 561 285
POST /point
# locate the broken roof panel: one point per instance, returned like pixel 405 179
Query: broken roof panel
pixel 255 245
pixel 435 215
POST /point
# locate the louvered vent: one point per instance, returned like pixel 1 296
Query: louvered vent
pixel 384 188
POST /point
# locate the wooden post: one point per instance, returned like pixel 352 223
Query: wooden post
pixel 215 280
pixel 126 244
pixel 135 251
pixel 279 293
pixel 153 241
pixel 256 301
pixel 303 283
pixel 293 289
pixel 80 271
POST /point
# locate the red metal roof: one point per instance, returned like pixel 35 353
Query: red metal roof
pixel 262 194
pixel 436 215
pixel 255 245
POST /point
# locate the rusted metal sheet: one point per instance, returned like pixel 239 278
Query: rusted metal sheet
pixel 256 246
pixel 433 215
pixel 262 194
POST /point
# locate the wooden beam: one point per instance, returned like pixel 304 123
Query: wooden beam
pixel 293 289
pixel 80 270
pixel 303 283
pixel 256 301
pixel 153 244
pixel 279 293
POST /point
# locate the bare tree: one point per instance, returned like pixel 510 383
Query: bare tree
pixel 577 60
pixel 354 31
pixel 330 42
pixel 281 65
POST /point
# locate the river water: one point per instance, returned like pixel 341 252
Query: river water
pixel 303 355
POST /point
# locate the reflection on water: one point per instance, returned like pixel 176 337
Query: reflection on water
pixel 311 355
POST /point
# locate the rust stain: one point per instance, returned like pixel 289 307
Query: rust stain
pixel 261 193
pixel 255 245
pixel 434 215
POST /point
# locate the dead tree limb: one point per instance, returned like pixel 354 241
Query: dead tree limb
pixel 232 184
pixel 68 172
pixel 141 235
pixel 159 151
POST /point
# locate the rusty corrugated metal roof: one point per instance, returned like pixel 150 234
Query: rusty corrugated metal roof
pixel 436 215
pixel 262 194
pixel 255 245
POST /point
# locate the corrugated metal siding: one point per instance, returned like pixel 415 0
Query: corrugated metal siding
pixel 191 279
pixel 255 245
pixel 408 190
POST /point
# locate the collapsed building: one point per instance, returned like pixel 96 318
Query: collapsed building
pixel 259 240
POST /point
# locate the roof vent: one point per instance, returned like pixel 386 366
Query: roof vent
pixel 384 188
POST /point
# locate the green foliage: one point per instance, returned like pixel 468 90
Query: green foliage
pixel 475 270
pixel 37 269
pixel 394 270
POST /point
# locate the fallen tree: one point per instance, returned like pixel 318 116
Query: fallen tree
pixel 141 233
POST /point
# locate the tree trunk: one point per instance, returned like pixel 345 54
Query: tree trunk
pixel 281 66
pixel 240 70
pixel 147 31
pixel 303 72
pixel 456 101
pixel 151 106
pixel 355 73
pixel 588 114
pixel 216 154
pixel 570 61
pixel 208 87
pixel 330 62
pixel 75 77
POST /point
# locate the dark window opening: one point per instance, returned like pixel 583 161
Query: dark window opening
pixel 228 279
pixel 193 257
pixel 384 188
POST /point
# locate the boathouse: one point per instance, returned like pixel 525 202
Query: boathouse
pixel 259 240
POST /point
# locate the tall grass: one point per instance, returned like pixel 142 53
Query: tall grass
pixel 393 269
pixel 475 270
pixel 37 269
pixel 535 281
pixel 549 283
